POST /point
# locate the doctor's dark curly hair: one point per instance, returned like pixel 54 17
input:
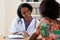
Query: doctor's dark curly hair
pixel 50 8
pixel 21 6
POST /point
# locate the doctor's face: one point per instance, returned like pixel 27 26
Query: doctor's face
pixel 26 13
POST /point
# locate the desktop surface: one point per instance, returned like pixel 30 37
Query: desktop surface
pixel 3 38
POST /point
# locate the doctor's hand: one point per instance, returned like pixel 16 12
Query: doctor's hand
pixel 20 33
pixel 25 34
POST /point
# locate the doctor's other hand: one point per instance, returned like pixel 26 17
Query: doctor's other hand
pixel 20 33
pixel 39 37
pixel 25 34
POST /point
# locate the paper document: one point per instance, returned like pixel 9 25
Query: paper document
pixel 15 36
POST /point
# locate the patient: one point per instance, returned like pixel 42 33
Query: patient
pixel 49 25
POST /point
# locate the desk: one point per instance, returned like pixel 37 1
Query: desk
pixel 2 38
pixel 17 39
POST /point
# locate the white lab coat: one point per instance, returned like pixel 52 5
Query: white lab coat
pixel 18 25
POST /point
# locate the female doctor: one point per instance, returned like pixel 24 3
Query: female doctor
pixel 24 23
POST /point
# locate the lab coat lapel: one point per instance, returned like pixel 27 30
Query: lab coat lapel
pixel 31 26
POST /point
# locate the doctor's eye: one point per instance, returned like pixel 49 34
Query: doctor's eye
pixel 27 10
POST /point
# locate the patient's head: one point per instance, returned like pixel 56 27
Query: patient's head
pixel 49 8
